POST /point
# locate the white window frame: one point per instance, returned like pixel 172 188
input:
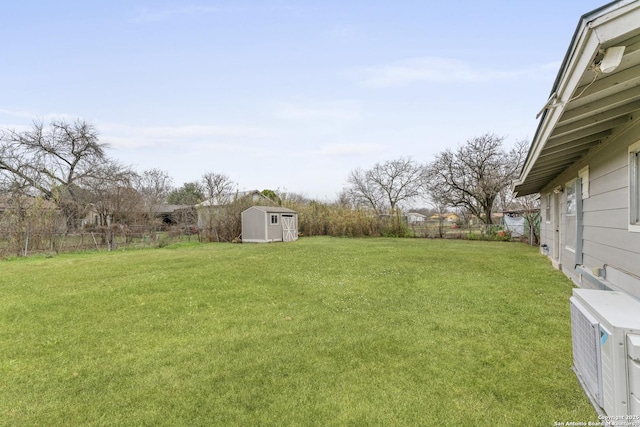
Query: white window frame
pixel 634 187
pixel 547 209
pixel 583 174
pixel 567 227
pixel 274 219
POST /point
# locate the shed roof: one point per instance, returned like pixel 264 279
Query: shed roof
pixel 586 106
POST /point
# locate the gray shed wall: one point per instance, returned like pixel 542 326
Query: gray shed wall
pixel 253 225
pixel 274 231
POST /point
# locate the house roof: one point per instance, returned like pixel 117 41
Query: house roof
pixel 172 208
pixel 587 107
pixel 273 209
pixel 444 215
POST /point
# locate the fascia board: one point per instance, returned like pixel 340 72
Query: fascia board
pixel 596 28
pixel 617 23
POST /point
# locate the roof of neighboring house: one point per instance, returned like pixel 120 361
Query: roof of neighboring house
pixel 273 209
pixel 172 208
pixel 445 215
pixel 586 106
pixel 416 214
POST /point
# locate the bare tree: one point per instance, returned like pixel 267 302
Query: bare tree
pixel 386 185
pixel 361 191
pixel 52 160
pixel 219 191
pixel 111 194
pixel 473 176
pixel 46 157
pixel 218 187
pixel 154 186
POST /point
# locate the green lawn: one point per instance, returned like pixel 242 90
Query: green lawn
pixel 322 331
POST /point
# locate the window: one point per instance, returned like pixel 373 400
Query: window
pixel 634 187
pixel 274 219
pixel 571 216
pixel 547 208
pixel 571 198
pixel 583 174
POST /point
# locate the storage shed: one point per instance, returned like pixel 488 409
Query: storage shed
pixel 263 224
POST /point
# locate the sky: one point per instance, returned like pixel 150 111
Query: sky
pixel 284 95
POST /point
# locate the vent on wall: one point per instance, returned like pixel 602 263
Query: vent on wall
pixel 586 350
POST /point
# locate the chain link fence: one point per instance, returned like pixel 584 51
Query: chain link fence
pixel 18 243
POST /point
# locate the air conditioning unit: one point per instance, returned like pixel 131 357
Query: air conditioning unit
pixel 605 332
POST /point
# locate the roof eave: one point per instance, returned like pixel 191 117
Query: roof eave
pixel 594 29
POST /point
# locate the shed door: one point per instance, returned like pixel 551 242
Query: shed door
pixel 289 231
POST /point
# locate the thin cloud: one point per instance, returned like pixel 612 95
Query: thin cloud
pixel 437 70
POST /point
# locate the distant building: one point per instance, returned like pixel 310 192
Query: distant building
pixel 265 224
pixel 416 218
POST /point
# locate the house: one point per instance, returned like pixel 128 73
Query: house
pixel 91 216
pixel 263 224
pixel 175 214
pixel 449 217
pixel 584 159
pixel 415 218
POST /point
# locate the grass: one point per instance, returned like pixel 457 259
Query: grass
pixel 322 331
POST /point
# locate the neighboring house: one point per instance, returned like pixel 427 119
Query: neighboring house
pixel 585 156
pixel 92 217
pixel 584 161
pixel 166 215
pixel 264 224
pixel 449 217
pixel 176 214
pixel 416 218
